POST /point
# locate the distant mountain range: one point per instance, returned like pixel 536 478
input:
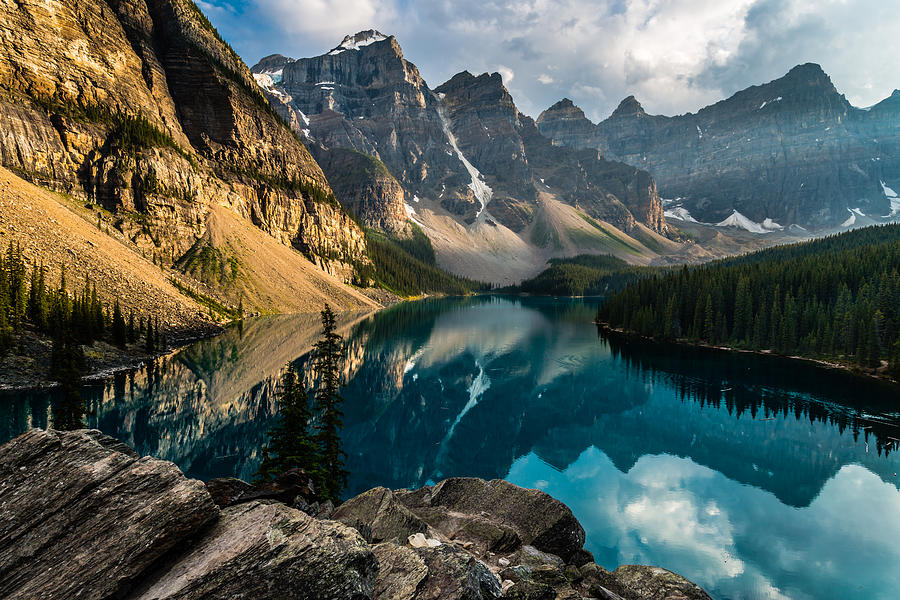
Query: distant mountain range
pixel 496 197
pixel 789 152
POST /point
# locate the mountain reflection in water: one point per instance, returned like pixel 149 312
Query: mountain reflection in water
pixel 754 476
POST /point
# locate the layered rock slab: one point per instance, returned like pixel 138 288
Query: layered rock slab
pixel 79 517
pixel 82 515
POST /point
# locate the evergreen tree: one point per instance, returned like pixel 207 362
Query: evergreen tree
pixel 291 444
pixel 329 353
pixel 150 338
pixel 119 329
pixel 67 367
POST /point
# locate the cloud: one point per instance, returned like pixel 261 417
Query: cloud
pixel 326 20
pixel 673 55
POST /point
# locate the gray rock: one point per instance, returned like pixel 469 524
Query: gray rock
pixel 264 549
pixel 444 572
pixel 536 518
pixel 79 518
pixel 653 583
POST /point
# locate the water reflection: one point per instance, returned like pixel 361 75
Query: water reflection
pixel 753 476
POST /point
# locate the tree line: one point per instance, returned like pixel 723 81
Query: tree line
pixel 408 267
pixel 837 297
pixel 582 275
pixel 30 303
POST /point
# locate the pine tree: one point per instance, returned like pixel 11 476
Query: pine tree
pixel 150 339
pixel 67 367
pixel 291 444
pixel 132 332
pixel 329 353
pixel 119 330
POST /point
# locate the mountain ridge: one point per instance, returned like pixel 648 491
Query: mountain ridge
pixel 793 150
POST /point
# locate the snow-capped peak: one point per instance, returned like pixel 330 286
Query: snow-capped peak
pixel 359 40
pixel 741 222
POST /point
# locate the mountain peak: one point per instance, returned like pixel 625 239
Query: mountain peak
pixel 808 73
pixel 629 107
pixel 359 40
pixel 564 109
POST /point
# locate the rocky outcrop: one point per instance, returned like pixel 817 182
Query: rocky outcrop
pixel 82 515
pixel 366 189
pixel 793 150
pixel 508 145
pixel 141 108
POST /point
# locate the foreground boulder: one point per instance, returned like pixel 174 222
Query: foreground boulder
pixel 83 516
pixel 470 509
pixel 80 517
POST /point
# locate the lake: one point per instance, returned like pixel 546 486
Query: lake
pixel 753 476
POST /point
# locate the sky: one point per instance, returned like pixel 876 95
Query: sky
pixel 674 56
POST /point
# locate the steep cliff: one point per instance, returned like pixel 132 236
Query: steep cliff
pixel 793 151
pixel 495 196
pixel 140 107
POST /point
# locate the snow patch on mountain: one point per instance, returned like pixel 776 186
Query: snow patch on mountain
pixel 680 213
pixel 771 225
pixel 360 40
pixel 482 190
pixel 895 201
pixel 851 220
pixel 741 222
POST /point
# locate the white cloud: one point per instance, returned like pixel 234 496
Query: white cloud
pixel 673 55
pixel 327 21
pixel 736 540
pixel 506 73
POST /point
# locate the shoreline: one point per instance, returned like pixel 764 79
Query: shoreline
pixel 818 362
pixel 117 360
pixel 114 360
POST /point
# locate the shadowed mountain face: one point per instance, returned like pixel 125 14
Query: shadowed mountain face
pixel 792 150
pixel 472 169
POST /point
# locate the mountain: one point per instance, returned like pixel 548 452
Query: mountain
pixel 793 151
pixel 143 113
pixel 494 195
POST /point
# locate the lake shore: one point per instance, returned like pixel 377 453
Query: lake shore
pixel 876 374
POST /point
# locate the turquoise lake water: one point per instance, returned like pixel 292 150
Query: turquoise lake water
pixel 753 476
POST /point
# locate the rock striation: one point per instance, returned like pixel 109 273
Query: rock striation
pixel 792 150
pixel 142 109
pixel 82 515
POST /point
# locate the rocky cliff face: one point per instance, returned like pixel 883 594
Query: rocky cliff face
pixel 81 514
pixel 365 95
pixel 792 150
pixel 139 107
pixel 462 150
pixel 508 145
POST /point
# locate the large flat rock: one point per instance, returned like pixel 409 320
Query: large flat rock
pixel 79 517
pixel 264 549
